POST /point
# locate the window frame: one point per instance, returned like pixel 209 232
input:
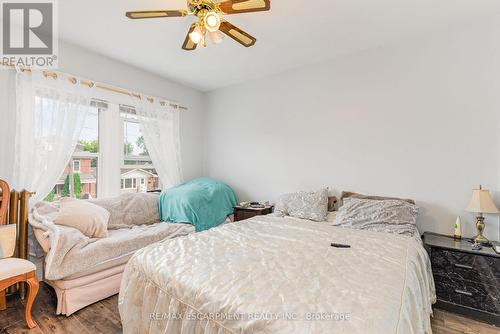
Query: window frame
pixel 75 163
pixel 128 114
pixel 132 157
pixel 133 183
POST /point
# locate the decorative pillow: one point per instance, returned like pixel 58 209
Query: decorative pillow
pixel 88 218
pixel 7 240
pixel 304 205
pixel 393 216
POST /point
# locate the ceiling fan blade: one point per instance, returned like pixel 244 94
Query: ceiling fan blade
pixel 237 34
pixel 244 6
pixel 149 14
pixel 189 45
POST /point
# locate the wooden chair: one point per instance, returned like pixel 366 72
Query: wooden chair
pixel 4 201
pixel 13 270
pixel 4 204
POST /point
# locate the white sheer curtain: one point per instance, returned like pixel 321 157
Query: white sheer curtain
pixel 50 114
pixel 160 128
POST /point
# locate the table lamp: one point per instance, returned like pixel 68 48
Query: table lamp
pixel 480 203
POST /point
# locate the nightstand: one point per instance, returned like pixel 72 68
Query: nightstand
pixel 241 213
pixel 467 281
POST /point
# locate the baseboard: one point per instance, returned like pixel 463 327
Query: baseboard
pixel 490 318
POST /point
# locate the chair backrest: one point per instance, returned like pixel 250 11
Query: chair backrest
pixel 4 201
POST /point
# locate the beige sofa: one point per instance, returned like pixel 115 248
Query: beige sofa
pixel 83 271
pixel 85 288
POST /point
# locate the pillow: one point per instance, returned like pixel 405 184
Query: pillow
pixel 88 218
pixel 304 205
pixel 348 194
pixel 393 216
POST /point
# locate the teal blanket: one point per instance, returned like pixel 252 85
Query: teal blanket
pixel 203 202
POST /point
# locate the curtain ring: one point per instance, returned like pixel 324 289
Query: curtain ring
pixel 53 75
pixel 73 80
pixel 132 94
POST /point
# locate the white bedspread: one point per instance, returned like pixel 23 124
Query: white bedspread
pixel 279 275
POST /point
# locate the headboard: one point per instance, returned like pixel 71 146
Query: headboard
pixel 349 194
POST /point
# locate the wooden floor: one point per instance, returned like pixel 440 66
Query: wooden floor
pixel 102 317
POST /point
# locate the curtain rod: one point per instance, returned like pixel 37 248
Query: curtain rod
pixel 92 84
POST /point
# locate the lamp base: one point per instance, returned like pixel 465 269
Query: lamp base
pixel 480 238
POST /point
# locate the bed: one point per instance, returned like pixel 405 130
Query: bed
pixel 279 275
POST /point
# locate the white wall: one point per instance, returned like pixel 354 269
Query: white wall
pixel 7 121
pixel 84 63
pixel 417 120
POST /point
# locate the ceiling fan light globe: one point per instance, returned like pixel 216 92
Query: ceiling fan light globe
pixel 216 37
pixel 196 36
pixel 212 21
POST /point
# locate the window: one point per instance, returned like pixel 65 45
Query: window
pixel 83 167
pixel 137 164
pixel 129 183
pixel 76 166
pixel 126 160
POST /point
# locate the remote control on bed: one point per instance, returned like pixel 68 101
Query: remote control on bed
pixel 340 245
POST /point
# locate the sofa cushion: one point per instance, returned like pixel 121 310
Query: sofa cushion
pixel 128 210
pixel 88 218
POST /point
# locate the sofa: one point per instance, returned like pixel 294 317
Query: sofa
pixel 84 270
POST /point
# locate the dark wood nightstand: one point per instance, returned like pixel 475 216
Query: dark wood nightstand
pixel 467 281
pixel 241 213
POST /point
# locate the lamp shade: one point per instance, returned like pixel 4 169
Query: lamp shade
pixel 481 202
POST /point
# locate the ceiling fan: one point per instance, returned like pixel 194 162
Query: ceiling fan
pixel 210 22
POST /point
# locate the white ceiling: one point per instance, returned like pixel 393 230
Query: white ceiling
pixel 292 34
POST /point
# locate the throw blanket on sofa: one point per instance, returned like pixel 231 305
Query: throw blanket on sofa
pixel 132 226
pixel 203 202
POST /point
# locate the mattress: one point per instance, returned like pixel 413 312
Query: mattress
pixel 279 275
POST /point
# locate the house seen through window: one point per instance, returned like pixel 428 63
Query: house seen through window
pixel 79 179
pixel 138 173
